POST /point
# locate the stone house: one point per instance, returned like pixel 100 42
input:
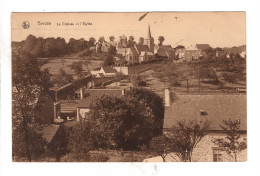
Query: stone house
pixel 214 108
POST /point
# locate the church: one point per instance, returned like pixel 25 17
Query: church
pixel 138 53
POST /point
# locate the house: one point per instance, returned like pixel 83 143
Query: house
pixel 165 51
pixel 138 53
pixel 214 108
pixel 105 71
pixel 50 106
pixel 91 95
pixel 189 54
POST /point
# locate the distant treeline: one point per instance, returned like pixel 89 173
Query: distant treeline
pixel 52 47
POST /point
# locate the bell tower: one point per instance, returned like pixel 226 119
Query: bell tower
pixel 149 41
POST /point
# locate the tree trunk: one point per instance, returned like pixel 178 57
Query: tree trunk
pixel 26 139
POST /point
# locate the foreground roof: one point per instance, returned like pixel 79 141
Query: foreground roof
pixel 93 94
pixel 48 131
pixel 214 108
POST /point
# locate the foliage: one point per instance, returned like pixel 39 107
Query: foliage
pixel 141 41
pixel 161 145
pixel 62 78
pixel 85 136
pixel 154 102
pixel 112 50
pixel 186 135
pixel 127 123
pixel 131 42
pixel 36 145
pixel 28 82
pixel 111 38
pixel 233 143
pixel 108 60
pixel 161 40
pixel 77 68
pixel 91 42
pixel 229 78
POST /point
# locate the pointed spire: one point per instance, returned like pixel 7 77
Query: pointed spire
pixel 149 32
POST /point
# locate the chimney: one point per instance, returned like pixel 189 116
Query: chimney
pixel 167 99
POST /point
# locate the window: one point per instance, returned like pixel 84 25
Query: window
pixel 203 113
pixel 217 155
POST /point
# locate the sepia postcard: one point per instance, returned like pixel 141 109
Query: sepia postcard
pixel 129 87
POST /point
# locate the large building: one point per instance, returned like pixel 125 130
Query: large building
pixel 138 53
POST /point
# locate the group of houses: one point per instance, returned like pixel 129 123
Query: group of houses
pixel 71 103
pixel 214 108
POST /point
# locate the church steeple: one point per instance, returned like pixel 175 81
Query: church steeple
pixel 149 32
pixel 149 41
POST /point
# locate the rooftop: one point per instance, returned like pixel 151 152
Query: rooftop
pixel 109 69
pixel 93 94
pixel 214 108
pixel 202 46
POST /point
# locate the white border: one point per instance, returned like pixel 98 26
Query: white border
pixel 250 167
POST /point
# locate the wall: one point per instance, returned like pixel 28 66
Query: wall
pixel 123 70
pixel 204 150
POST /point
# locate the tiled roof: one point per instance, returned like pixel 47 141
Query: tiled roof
pixel 216 107
pixel 109 69
pixel 202 46
pixel 141 48
pixel 93 94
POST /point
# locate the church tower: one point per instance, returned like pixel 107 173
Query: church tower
pixel 149 41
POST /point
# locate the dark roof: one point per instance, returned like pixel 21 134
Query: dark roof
pixel 216 107
pixel 133 51
pixel 165 50
pixel 141 48
pixel 48 131
pixel 202 46
pixel 93 94
pixel 109 69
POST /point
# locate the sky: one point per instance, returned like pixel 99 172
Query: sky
pixel 219 29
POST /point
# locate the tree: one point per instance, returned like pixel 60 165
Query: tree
pixel 185 136
pixel 129 122
pixel 141 41
pixel 161 145
pixel 161 40
pixel 153 101
pixel 112 38
pixel 112 50
pixel 28 82
pixel 233 143
pixel 108 60
pixel 91 42
pixel 35 146
pixel 77 68
pixel 101 39
pixel 131 41
pixel 62 78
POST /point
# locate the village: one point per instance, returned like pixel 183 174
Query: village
pixel 184 102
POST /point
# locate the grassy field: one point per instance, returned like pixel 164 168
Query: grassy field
pixel 56 63
pixel 213 77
